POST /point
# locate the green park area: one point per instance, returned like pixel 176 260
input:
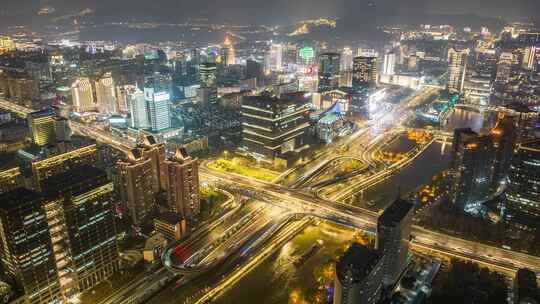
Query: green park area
pixel 243 167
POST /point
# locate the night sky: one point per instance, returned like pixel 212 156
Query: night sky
pixel 272 11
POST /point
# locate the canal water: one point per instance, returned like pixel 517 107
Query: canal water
pixel 435 159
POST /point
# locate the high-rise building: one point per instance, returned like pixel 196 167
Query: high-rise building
pixel 393 235
pixel 359 274
pixel 504 136
pixel 137 182
pixel 122 97
pixel 83 95
pixel 457 69
pixel 27 253
pixel 504 68
pixel 208 76
pixel 43 169
pixel 155 151
pixel 228 52
pixel 346 64
pixel 328 71
pixel 472 160
pixel 525 287
pixel 138 109
pixel 182 184
pixel 11 179
pixel 254 70
pixel 79 209
pixel 523 188
pixel 106 94
pixel 389 63
pixel 157 95
pixel 365 72
pixel 275 125
pixel 41 127
pixel 529 58
pixel 274 58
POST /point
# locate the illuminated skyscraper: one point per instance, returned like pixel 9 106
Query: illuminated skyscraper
pixel 274 58
pixel 122 93
pixel 41 126
pixel 457 69
pixel 328 71
pixel 389 63
pixel 346 59
pixel 157 95
pixel 529 58
pixel 106 95
pixel 208 77
pixel 472 161
pixel 137 189
pixel 156 153
pixel 504 136
pixel 79 209
pixel 182 184
pixel 393 234
pixel 228 52
pixel 275 125
pixel 27 253
pixel 365 72
pixel 138 109
pixel 83 95
pixel 523 191
pixel 504 68
pixel 359 274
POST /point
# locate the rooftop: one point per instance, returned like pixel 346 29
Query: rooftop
pixel 394 213
pixel 358 261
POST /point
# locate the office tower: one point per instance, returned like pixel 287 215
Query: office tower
pixel 27 254
pixel 289 57
pixel 11 179
pixel 274 58
pixel 389 63
pixel 525 287
pixel 41 127
pixel 137 189
pixel 504 136
pixel 393 234
pixel 182 184
pixel 523 189
pixel 305 56
pixel 254 70
pixel 228 53
pixel 275 125
pixel 157 95
pixel 504 68
pixel 328 71
pixel 529 58
pixel 485 64
pixel 106 94
pixel 359 274
pixel 365 72
pixel 208 77
pixel 472 159
pixel 122 97
pixel 346 64
pixel 62 129
pixel 412 63
pixel 79 209
pixel 155 151
pixel 480 76
pixel 43 169
pixel 457 69
pixel 83 95
pixel 138 109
